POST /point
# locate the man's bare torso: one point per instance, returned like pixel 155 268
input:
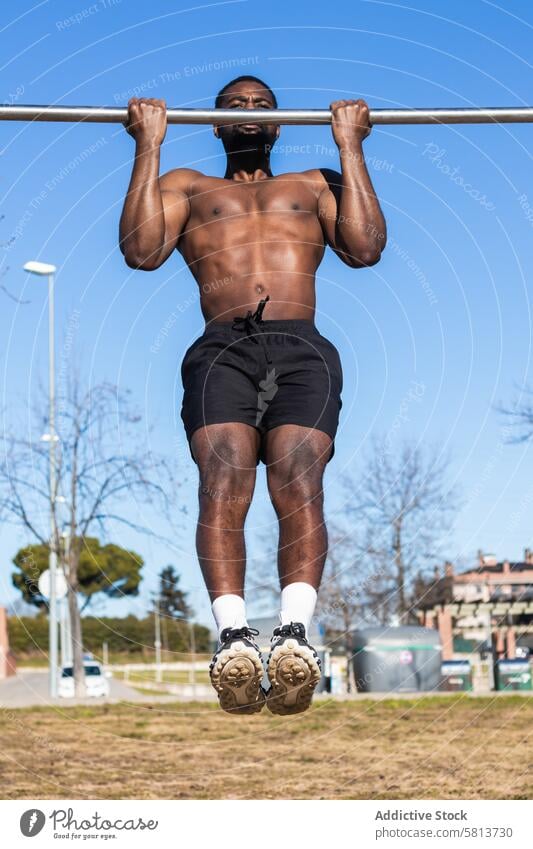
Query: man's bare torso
pixel 251 234
pixel 247 239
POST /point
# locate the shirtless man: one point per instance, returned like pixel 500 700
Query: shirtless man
pixel 261 382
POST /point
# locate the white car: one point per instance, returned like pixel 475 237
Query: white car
pixel 96 682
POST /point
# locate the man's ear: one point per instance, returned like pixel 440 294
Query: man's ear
pixel 278 131
pixel 215 132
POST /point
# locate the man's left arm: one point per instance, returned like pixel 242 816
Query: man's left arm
pixel 348 208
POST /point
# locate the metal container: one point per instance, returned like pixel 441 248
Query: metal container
pixel 406 659
pixel 512 674
pixel 456 676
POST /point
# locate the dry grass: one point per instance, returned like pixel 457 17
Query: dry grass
pixel 428 748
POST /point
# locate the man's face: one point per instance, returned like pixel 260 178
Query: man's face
pixel 243 95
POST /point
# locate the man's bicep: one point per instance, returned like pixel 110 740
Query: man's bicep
pixel 327 214
pixel 328 203
pixel 176 210
pixel 176 206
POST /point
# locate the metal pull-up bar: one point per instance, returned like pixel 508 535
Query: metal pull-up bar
pixel 115 115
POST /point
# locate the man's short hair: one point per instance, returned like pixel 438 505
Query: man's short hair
pixel 247 77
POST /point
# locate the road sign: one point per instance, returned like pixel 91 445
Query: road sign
pixel 61 584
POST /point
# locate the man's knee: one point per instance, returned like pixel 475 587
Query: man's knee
pixel 295 481
pixel 223 480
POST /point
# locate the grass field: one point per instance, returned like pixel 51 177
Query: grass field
pixel 426 748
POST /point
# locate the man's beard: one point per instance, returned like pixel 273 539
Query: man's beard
pixel 242 142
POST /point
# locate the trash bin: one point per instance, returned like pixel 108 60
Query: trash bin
pixel 512 674
pixel 456 676
pixel 406 659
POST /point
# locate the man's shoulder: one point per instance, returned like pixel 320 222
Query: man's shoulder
pixel 326 176
pixel 181 179
pixel 317 178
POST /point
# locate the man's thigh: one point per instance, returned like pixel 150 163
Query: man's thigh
pixel 219 385
pixel 306 392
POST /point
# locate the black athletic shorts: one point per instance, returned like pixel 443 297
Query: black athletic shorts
pixel 264 374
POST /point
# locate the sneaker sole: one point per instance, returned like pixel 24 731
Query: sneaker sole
pixel 237 676
pixel 293 672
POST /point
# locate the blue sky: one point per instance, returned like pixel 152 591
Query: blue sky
pixel 447 309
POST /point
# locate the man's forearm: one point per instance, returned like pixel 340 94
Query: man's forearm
pixel 142 224
pixel 360 225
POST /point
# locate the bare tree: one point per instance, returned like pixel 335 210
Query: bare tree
pixel 391 529
pixel 520 418
pixel 403 510
pixel 355 588
pixel 105 473
pixel 344 592
pixel 5 269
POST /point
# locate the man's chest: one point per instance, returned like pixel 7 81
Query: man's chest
pixel 221 199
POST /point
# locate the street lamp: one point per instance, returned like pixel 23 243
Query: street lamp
pixel 157 640
pixel 192 650
pixel 65 626
pixel 157 644
pixel 44 269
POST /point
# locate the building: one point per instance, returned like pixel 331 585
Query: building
pixel 489 606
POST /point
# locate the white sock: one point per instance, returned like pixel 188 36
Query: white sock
pixel 298 602
pixel 229 612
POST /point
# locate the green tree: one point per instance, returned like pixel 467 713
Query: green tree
pixel 170 606
pixel 172 599
pixel 107 569
pixel 28 636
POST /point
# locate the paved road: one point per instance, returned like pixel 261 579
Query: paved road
pixel 28 689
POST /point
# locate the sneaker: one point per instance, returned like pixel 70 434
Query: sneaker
pixel 237 671
pixel 293 670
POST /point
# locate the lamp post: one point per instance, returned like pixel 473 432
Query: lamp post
pixel 192 651
pixel 66 631
pixel 43 269
pixel 157 641
pixel 192 668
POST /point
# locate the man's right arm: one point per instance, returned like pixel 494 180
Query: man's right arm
pixel 156 209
